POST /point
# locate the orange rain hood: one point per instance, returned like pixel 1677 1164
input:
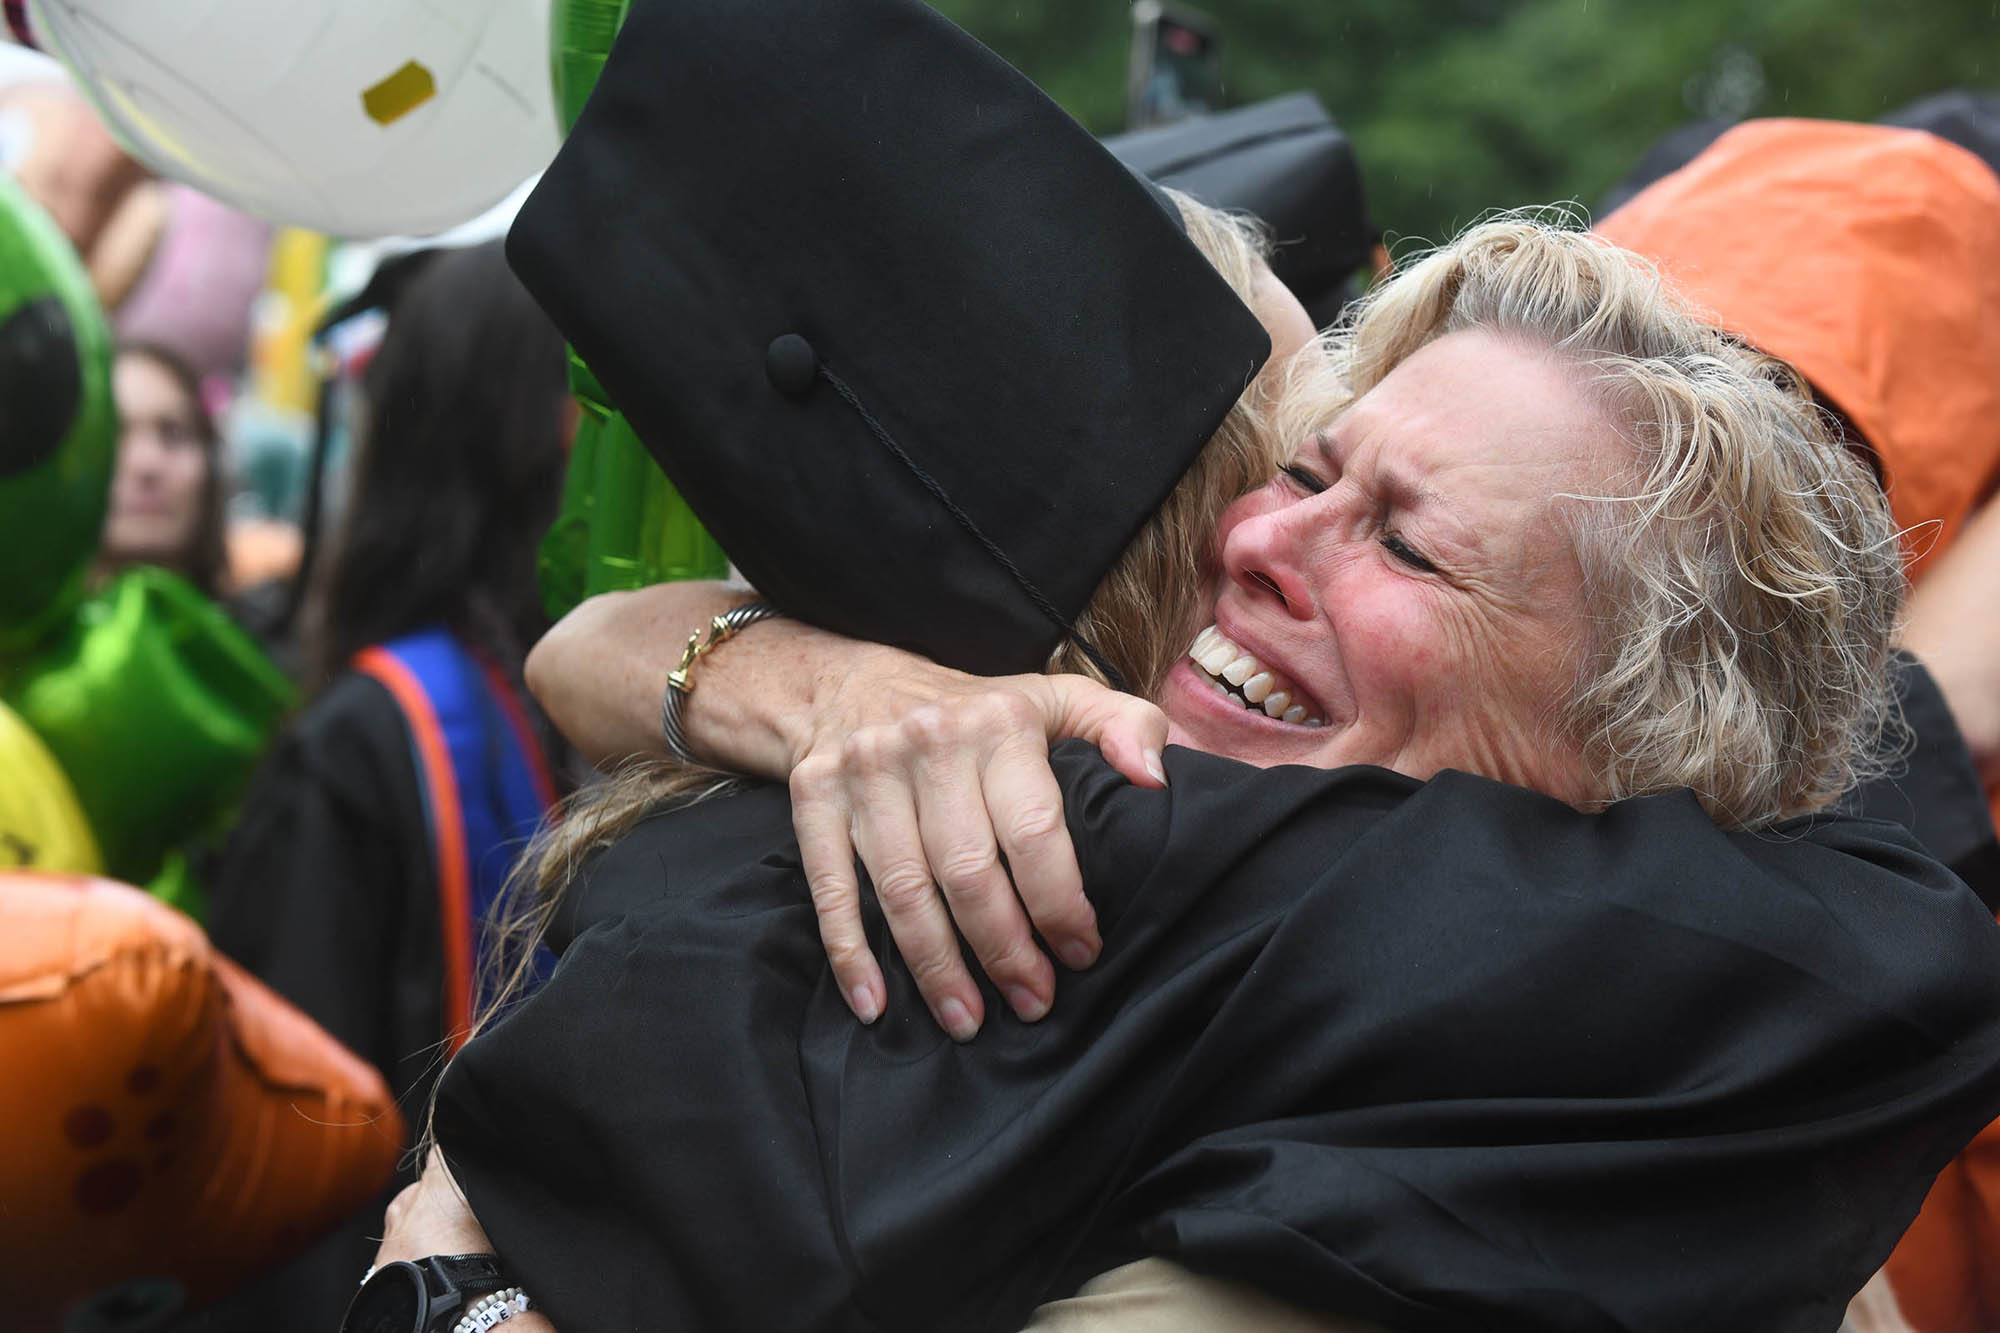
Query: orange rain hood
pixel 1869 258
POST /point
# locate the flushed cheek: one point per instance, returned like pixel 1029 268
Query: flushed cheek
pixel 1389 637
pixel 1413 660
pixel 1477 659
pixel 1505 726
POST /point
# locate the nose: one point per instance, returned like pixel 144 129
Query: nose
pixel 139 451
pixel 134 474
pixel 1263 555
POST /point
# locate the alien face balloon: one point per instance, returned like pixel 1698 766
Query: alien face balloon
pixel 351 117
pixel 58 430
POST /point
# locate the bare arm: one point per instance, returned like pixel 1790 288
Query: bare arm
pixel 432 1217
pixel 929 775
pixel 1955 628
pixel 601 672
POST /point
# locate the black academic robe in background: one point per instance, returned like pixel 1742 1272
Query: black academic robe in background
pixel 1439 1055
pixel 328 894
pixel 328 890
pixel 1934 789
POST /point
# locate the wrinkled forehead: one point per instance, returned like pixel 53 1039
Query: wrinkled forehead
pixel 1480 398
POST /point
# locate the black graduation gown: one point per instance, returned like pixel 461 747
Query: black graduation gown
pixel 1934 790
pixel 1440 1055
pixel 327 892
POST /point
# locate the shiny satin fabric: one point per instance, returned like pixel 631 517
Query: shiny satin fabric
pixel 166 1117
pixel 156 706
pixel 1438 1056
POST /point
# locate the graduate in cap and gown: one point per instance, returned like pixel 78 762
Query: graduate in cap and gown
pixel 1426 1053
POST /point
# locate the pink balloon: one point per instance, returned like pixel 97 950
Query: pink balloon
pixel 198 292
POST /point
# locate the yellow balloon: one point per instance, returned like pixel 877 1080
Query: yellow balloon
pixel 41 825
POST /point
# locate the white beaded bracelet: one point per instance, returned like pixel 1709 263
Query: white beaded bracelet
pixel 489 1310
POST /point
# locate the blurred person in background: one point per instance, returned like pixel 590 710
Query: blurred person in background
pixel 330 888
pixel 388 814
pixel 170 495
pixel 167 493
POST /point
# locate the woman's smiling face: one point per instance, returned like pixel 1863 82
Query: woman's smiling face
pixel 1406 594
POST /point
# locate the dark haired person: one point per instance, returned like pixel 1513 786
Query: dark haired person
pixel 166 495
pixel 388 813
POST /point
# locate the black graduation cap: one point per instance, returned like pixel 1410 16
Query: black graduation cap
pixel 1966 116
pixel 1285 161
pixel 916 349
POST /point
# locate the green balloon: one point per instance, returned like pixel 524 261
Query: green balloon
pixel 58 427
pixel 623 525
pixel 147 696
pixel 580 36
pixel 157 707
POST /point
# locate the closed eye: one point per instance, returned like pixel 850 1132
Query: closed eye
pixel 1404 552
pixel 1306 480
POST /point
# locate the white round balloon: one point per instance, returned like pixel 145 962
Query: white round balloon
pixel 356 118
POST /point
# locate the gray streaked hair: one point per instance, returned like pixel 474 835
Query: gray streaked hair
pixel 1744 582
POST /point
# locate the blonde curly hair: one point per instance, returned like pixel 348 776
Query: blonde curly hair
pixel 1744 585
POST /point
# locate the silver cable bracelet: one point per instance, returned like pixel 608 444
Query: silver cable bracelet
pixel 680 681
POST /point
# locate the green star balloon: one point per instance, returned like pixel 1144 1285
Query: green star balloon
pixel 157 707
pixel 580 36
pixel 622 525
pixel 58 429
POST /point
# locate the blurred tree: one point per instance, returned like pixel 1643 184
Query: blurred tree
pixel 1075 49
pixel 1461 106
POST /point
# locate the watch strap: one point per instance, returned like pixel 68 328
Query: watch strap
pixel 466 1271
pixel 454 1281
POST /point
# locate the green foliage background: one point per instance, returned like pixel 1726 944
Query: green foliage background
pixel 1460 106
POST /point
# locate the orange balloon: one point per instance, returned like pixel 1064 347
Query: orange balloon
pixel 165 1115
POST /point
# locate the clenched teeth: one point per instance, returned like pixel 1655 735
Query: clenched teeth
pixel 1227 665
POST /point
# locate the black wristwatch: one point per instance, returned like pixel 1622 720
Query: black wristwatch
pixel 422 1296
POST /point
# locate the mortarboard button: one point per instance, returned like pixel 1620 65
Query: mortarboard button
pixel 792 364
pixel 976 498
